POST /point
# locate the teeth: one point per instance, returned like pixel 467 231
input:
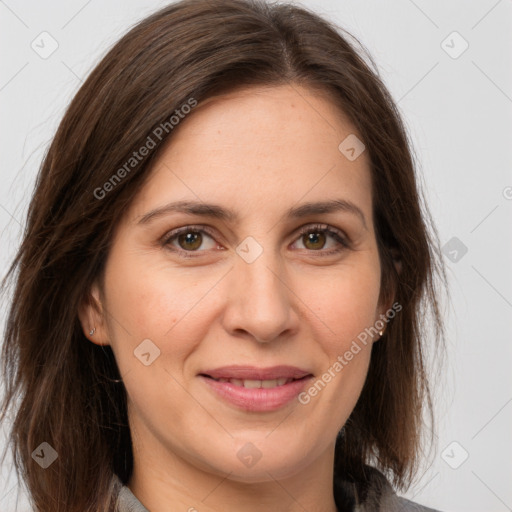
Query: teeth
pixel 252 383
pixel 255 384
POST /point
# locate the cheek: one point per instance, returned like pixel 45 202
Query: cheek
pixel 346 303
pixel 144 302
pixel 148 300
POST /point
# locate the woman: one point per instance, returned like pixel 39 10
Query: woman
pixel 219 295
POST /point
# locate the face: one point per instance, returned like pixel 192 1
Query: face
pixel 227 321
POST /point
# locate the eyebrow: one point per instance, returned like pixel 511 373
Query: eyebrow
pixel 218 212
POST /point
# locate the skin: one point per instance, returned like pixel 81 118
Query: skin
pixel 258 151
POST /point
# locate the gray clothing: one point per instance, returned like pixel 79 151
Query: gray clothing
pixel 375 495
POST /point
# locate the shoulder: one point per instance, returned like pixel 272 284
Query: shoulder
pixel 410 506
pixel 124 499
pixel 374 494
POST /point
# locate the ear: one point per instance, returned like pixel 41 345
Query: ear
pixel 91 313
pixel 397 260
pixel 389 306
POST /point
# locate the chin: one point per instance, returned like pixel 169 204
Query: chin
pixel 257 462
pixel 267 471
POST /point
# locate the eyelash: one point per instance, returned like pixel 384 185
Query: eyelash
pixel 315 228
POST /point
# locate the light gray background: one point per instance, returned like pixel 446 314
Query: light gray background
pixel 458 111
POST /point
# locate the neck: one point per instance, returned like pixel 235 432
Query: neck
pixel 172 483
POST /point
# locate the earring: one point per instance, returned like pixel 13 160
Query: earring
pixel 92 331
pixel 381 332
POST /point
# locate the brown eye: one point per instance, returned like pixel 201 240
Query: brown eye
pixel 314 240
pixel 323 239
pixel 191 240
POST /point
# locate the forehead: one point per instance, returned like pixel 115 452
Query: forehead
pixel 258 146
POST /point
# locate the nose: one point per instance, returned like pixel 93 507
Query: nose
pixel 261 304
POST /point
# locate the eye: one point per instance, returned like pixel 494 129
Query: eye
pixel 190 239
pixel 315 237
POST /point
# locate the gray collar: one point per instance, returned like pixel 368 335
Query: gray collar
pixel 376 495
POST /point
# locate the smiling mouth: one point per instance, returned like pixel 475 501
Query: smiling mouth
pixel 257 395
pixel 255 384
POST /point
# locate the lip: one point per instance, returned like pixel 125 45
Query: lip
pixel 256 399
pixel 252 372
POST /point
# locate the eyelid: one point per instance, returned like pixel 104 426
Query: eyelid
pixel 308 228
pixel 168 235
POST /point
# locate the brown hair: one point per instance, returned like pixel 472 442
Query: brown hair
pixel 67 385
